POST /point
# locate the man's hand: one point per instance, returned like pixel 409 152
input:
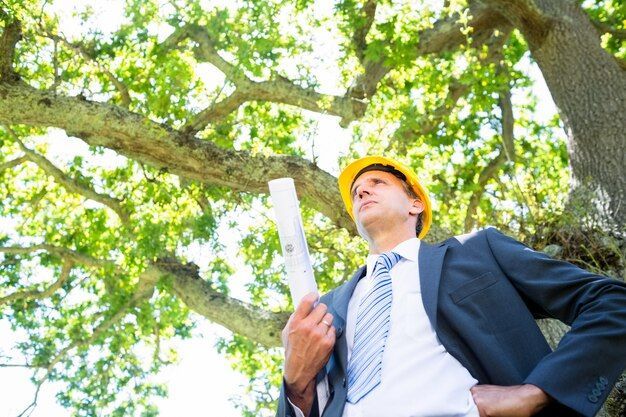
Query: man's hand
pixel 308 338
pixel 516 401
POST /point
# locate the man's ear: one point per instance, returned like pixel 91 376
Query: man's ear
pixel 417 207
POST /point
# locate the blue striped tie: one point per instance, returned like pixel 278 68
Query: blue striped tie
pixel 370 334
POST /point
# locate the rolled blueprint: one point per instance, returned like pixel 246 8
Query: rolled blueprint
pixel 292 240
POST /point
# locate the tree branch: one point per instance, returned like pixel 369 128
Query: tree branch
pixel 70 184
pixel 365 84
pixel 406 133
pixel 34 294
pixel 448 34
pixel 13 163
pixel 97 332
pixel 88 56
pixel 31 407
pixel 143 292
pixel 255 323
pixel 205 50
pixel 508 124
pixel 445 35
pixel 277 90
pixel 492 168
pixel 368 13
pixel 216 112
pixel 203 202
pixel 604 27
pixel 15 365
pixel 67 254
pixel 507 153
pixel 281 90
pixel 11 34
pixel 137 137
pixel 526 16
pixel 247 320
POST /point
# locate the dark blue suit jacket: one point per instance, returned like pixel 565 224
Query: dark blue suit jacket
pixel 482 293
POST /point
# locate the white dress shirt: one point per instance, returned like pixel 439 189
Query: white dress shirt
pixel 419 377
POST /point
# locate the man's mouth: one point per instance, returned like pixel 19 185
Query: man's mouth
pixel 366 204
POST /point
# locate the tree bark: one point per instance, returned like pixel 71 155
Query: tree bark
pixel 589 89
pixel 137 137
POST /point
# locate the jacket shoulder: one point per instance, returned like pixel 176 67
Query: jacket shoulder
pixel 478 235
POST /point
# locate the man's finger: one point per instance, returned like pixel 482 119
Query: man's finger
pixel 306 306
pixel 332 333
pixel 326 322
pixel 317 314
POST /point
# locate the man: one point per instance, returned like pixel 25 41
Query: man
pixel 448 329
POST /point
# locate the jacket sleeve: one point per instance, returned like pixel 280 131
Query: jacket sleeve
pixel 591 356
pixel 286 409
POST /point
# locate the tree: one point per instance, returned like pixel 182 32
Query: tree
pixel 174 158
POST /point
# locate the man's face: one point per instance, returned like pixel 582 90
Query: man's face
pixel 379 199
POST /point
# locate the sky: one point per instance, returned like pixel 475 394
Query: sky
pixel 202 383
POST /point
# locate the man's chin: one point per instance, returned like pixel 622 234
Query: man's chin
pixel 369 221
pixel 364 217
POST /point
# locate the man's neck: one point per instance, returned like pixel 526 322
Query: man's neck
pixel 388 241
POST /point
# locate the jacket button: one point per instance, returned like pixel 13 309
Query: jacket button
pixel 343 382
pixel 596 392
pixel 603 380
pixel 592 398
pixel 338 332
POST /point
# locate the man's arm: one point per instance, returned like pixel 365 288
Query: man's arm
pixel 308 338
pixel 592 355
pixel 514 401
pixel 304 401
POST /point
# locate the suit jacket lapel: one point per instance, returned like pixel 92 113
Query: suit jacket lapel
pixel 340 301
pixel 430 260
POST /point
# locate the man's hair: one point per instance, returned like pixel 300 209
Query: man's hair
pixel 405 185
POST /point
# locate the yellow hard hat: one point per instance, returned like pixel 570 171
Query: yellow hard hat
pixel 352 171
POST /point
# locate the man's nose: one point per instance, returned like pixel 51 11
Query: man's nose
pixel 362 190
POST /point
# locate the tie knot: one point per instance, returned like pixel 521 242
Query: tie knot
pixel 388 260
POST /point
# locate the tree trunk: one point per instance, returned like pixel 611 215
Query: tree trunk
pixel 589 89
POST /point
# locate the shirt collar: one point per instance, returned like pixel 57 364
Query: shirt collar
pixel 408 249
